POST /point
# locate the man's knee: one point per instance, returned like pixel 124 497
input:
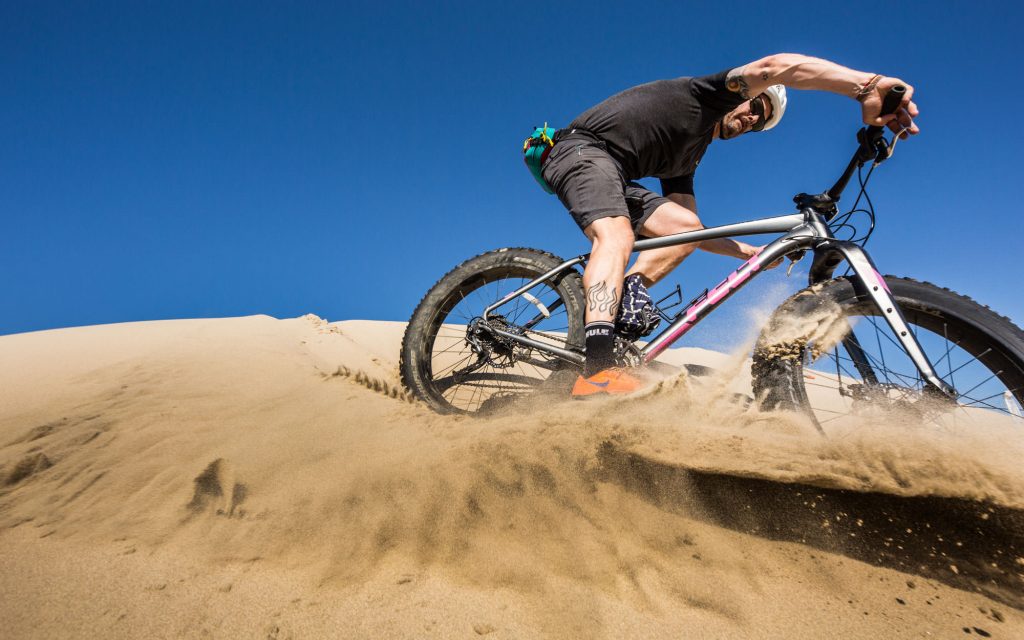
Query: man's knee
pixel 670 218
pixel 612 234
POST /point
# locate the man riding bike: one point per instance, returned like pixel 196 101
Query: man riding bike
pixel 661 130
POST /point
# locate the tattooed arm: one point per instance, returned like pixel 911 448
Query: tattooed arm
pixel 798 72
pixel 804 72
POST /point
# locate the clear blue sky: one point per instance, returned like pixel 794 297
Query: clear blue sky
pixel 193 159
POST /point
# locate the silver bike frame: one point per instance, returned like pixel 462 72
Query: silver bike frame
pixel 803 231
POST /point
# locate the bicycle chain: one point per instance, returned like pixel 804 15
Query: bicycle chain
pixel 626 352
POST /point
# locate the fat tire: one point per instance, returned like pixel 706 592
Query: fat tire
pixel 421 331
pixel 777 368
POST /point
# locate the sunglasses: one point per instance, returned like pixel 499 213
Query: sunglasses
pixel 757 108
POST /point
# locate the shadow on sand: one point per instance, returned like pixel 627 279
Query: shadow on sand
pixel 967 545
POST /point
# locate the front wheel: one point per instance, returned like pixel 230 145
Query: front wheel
pixel 828 352
pixel 454 362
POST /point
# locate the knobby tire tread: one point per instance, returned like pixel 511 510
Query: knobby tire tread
pixel 417 340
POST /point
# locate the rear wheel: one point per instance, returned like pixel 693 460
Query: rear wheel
pixel 452 359
pixel 827 351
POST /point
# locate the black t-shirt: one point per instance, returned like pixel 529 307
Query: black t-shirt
pixel 661 129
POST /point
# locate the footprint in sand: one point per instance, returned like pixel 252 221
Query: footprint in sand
pixel 26 468
pixel 275 632
pixel 216 489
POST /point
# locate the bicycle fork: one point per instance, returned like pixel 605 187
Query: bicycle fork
pixel 827 256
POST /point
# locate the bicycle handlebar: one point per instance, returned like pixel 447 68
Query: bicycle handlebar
pixel 869 142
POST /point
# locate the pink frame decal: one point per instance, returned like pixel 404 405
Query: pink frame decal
pixel 705 305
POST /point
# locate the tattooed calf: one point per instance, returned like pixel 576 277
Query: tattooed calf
pixel 601 300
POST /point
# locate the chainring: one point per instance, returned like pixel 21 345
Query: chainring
pixel 626 353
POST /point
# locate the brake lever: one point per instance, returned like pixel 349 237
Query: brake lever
pixel 793 261
pixel 891 148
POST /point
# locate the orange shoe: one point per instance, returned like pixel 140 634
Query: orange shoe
pixel 613 381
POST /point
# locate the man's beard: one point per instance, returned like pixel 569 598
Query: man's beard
pixel 724 131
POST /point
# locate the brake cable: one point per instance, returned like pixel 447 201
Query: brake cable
pixel 842 220
pixel 892 145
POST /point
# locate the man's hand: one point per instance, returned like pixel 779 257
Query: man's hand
pixel 749 251
pixel 772 265
pixel 871 107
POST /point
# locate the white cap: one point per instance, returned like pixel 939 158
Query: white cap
pixel 777 95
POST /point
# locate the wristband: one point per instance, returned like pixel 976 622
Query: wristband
pixel 866 89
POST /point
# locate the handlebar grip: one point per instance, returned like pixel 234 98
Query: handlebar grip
pixel 890 104
pixel 893 99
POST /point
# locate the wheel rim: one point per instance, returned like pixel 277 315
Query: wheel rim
pixel 837 375
pixel 458 376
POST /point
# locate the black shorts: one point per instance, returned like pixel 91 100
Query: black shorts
pixel 590 184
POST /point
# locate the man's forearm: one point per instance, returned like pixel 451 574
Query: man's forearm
pixel 728 247
pixel 801 72
pixel 804 72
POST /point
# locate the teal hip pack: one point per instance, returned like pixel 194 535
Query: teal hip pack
pixel 535 151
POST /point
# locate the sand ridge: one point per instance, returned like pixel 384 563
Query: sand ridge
pixel 282 457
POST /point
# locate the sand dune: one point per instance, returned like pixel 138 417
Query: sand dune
pixel 254 477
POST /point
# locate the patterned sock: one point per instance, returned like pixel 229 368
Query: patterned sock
pixel 600 347
pixel 637 316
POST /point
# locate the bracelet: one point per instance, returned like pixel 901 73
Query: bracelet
pixel 866 89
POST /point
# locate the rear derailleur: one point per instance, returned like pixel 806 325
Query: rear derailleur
pixel 491 348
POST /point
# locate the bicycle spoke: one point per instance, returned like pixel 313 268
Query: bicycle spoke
pixel 1012 392
pixel 984 353
pixel 949 349
pixel 457 344
pixel 452 368
pixel 837 358
pixel 994 375
pixel 881 354
pixel 986 404
pixel 875 362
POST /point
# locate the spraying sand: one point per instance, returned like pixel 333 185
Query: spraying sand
pixel 253 477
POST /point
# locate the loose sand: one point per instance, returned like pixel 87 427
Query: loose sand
pixel 262 478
